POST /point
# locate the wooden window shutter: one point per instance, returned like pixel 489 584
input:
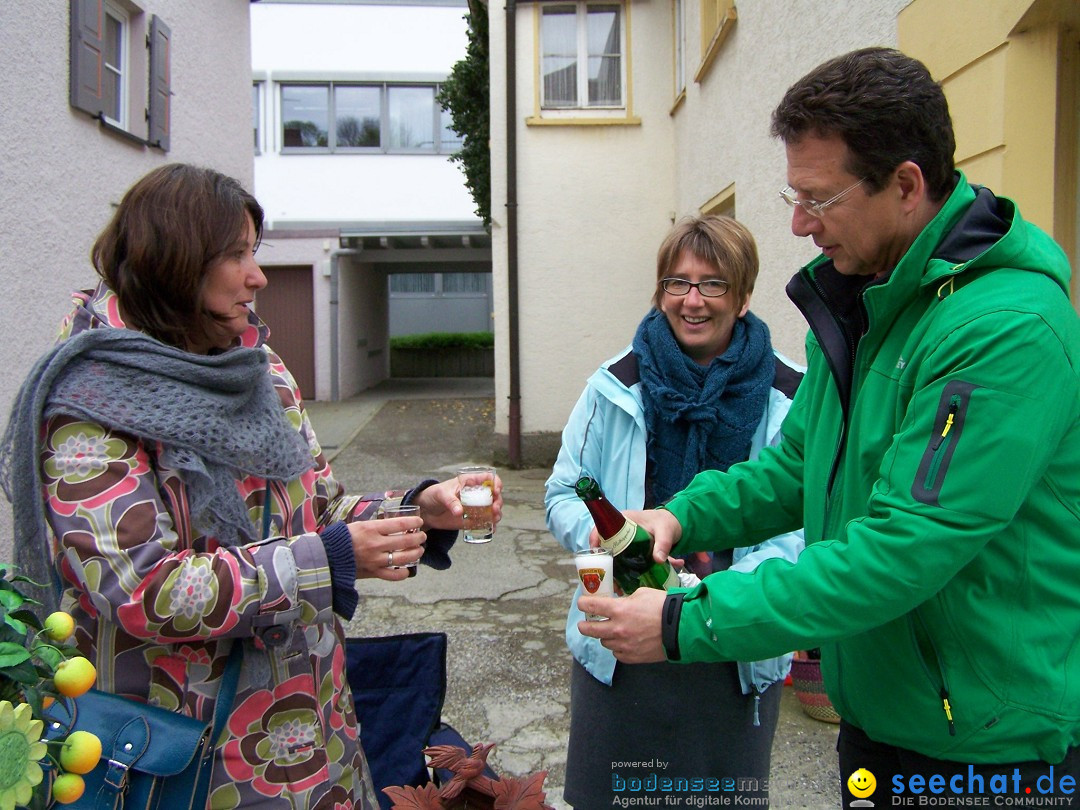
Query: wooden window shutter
pixel 160 81
pixel 87 60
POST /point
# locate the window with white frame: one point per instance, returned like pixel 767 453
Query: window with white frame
pixel 114 66
pixel 383 117
pixel 119 62
pixel 581 62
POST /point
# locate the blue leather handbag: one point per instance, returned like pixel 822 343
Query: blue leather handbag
pixel 151 758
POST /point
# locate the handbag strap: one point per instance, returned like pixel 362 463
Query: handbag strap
pixel 231 677
pixel 266 511
pixel 227 691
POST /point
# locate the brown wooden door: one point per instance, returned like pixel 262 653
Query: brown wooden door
pixel 286 304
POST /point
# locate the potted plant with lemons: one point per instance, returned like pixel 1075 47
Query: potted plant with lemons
pixel 38 665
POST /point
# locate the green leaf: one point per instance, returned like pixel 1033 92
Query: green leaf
pixel 12 654
pixel 15 625
pixel 11 599
pixel 33 696
pixel 25 673
pixel 48 655
pixel 34 582
pixel 28 617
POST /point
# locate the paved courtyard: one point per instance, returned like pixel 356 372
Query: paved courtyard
pixel 503 605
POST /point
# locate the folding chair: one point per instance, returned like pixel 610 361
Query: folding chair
pixel 399 684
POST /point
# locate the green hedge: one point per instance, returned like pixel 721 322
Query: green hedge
pixel 444 340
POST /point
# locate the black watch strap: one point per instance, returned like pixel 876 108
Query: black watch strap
pixel 669 624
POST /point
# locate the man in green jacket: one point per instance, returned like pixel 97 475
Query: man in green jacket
pixel 932 455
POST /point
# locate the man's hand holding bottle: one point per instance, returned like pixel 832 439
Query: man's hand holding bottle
pixel 633 629
pixel 664 527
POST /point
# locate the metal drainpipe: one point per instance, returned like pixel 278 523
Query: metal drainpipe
pixel 514 437
pixel 335 393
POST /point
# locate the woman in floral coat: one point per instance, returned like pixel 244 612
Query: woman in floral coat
pixel 188 507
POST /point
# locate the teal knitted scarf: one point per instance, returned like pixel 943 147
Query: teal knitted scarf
pixel 700 417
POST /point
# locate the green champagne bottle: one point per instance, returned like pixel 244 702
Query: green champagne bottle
pixel 630 545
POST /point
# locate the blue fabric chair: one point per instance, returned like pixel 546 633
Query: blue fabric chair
pixel 398 684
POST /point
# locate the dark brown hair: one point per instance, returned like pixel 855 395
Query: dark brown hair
pixel 155 254
pixel 885 106
pixel 722 242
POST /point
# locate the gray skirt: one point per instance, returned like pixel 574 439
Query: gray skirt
pixel 680 734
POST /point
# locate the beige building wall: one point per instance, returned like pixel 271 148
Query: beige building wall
pixel 594 201
pixel 722 142
pixel 1011 70
pixel 62 173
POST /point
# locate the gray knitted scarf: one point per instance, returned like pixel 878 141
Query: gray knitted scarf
pixel 217 418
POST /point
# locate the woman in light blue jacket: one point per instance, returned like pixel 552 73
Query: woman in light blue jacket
pixel 699 388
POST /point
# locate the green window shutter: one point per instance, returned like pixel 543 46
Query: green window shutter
pixel 87 62
pixel 160 103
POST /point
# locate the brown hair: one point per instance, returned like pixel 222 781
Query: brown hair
pixel 722 242
pixel 886 108
pixel 156 252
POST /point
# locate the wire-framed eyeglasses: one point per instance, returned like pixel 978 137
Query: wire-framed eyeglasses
pixel 710 287
pixel 813 207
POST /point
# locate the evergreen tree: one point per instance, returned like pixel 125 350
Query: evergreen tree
pixel 465 94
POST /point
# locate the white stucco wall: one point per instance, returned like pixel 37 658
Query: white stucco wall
pixel 595 202
pixel 355 42
pixel 722 130
pixel 60 173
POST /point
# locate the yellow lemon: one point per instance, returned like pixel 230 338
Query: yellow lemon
pixel 68 787
pixel 81 752
pixel 59 626
pixel 861 783
pixel 74 677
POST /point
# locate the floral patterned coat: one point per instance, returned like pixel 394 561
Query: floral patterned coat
pixel 158 607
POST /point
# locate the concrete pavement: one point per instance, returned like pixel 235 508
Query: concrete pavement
pixel 503 604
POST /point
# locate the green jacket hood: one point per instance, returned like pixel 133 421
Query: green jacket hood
pixel 990 232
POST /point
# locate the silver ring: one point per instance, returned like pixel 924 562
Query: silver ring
pixel 389 559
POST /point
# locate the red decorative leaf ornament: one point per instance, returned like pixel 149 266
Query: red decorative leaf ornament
pixel 425 797
pixel 521 794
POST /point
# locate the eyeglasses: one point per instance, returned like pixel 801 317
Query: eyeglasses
pixel 813 207
pixel 710 287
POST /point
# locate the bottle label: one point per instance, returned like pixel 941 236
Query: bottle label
pixel 672 580
pixel 621 539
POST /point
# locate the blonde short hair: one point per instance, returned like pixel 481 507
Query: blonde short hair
pixel 720 241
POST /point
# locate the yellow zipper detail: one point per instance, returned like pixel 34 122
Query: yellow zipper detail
pixel 948 425
pixel 948 712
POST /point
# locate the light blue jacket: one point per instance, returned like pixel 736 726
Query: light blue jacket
pixel 605 437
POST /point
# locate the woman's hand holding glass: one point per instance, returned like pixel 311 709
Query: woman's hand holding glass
pixel 441 507
pixel 381 545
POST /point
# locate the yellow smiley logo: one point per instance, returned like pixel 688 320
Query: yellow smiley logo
pixel 861 783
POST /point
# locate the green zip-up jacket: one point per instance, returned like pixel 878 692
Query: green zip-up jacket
pixel 935 464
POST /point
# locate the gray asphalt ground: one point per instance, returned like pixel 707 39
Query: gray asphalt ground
pixel 503 604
